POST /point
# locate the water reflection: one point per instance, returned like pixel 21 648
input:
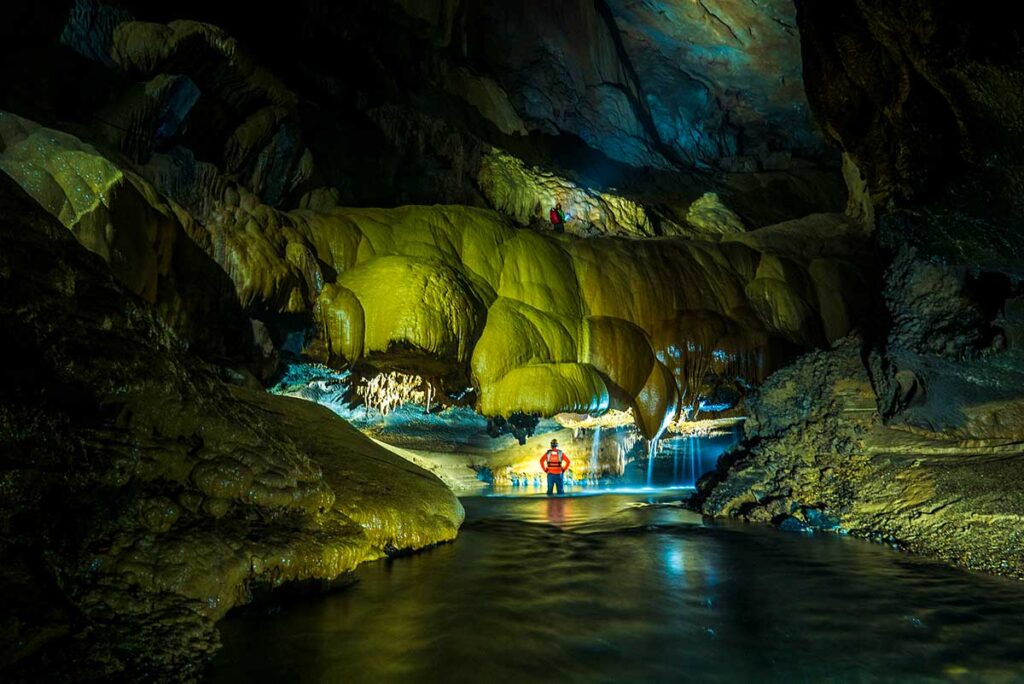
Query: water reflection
pixel 609 589
pixel 556 510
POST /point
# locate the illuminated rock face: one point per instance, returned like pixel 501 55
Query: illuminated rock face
pixel 710 84
pixel 551 324
pixel 543 324
pixel 822 457
pixel 560 324
pixel 151 244
pixel 722 80
pixel 708 216
pixel 527 195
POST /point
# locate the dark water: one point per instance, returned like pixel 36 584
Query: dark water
pixel 599 589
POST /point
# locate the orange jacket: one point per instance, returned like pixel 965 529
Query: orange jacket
pixel 554 461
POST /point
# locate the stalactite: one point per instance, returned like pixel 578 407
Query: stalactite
pixel 385 392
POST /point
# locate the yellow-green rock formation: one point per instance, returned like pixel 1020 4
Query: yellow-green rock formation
pixel 540 323
pixel 151 244
pixel 527 195
pixel 555 326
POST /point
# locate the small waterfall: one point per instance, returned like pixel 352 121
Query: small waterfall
pixel 595 453
pixel 675 466
pixel 700 465
pixel 692 445
pixel 652 451
pixel 693 454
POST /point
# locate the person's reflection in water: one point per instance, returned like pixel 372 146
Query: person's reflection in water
pixel 556 511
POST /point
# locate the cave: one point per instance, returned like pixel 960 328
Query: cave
pixel 512 340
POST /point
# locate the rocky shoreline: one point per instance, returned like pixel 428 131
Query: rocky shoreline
pixel 819 456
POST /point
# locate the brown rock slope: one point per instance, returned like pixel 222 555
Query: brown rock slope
pixel 819 456
pixel 142 496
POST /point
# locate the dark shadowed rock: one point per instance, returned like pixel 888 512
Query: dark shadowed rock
pixel 142 496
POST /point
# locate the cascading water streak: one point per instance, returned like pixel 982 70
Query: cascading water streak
pixel 675 466
pixel 652 451
pixel 692 445
pixel 699 470
pixel 595 452
pixel 692 455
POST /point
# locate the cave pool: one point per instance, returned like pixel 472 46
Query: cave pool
pixel 631 588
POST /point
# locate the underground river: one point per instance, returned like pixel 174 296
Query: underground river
pixel 629 588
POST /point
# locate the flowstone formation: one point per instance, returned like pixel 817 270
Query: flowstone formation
pixel 144 497
pixel 566 325
pixel 528 194
pixel 539 324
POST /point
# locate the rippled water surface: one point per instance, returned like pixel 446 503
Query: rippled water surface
pixel 609 589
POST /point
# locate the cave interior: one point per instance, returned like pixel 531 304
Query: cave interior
pixel 280 287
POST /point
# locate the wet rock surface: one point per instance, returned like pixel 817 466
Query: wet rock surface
pixel 818 456
pixel 143 496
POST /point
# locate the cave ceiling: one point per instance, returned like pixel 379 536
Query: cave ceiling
pixel 398 102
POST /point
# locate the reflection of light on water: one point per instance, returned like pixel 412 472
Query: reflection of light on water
pixel 710 579
pixel 531 490
pixel 628 595
pixel 675 562
pixel 692 565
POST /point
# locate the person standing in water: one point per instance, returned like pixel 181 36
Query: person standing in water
pixel 554 462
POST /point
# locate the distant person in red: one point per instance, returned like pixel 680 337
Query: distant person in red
pixel 558 218
pixel 554 462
